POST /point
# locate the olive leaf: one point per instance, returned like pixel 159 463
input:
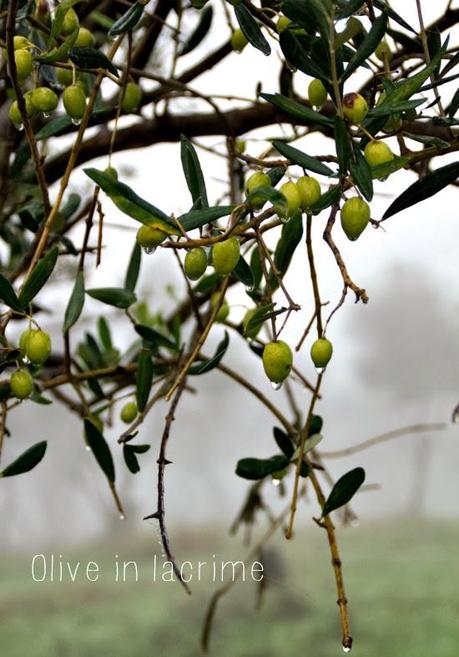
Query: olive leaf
pixel 113 296
pixel 27 461
pixel 254 469
pixel 144 378
pixel 302 159
pixel 424 188
pixel 199 33
pixel 128 20
pixel 243 273
pixel 344 490
pixel 251 29
pixel 75 304
pixel 38 277
pixel 197 218
pixel 90 58
pixel 284 442
pixel 193 173
pixel 8 295
pixel 362 175
pixel 211 363
pixel 133 270
pixel 304 114
pixel 100 449
pixel 368 45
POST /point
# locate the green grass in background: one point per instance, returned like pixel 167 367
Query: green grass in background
pixel 401 580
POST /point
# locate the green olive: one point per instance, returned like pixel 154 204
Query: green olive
pixel 24 64
pixel 74 100
pixel 277 360
pixel 321 352
pixel 21 384
pixel 254 182
pixel 38 347
pixel 70 22
pixel 292 194
pixel 225 256
pixel 224 309
pixel 309 190
pixel 129 412
pixel 238 40
pixel 355 107
pixel 195 263
pixel 378 152
pixel 317 94
pixel 44 99
pixel 131 98
pixel 355 215
pixel 149 237
pixel 85 38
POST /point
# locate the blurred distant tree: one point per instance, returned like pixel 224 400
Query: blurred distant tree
pixel 83 79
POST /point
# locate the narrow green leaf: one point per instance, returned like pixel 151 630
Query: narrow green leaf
pixel 27 461
pixel 344 490
pixel 193 173
pixel 274 196
pixel 342 144
pixel 154 337
pixel 127 21
pixel 75 304
pixel 129 202
pixel 424 188
pixel 362 175
pixel 104 332
pixel 211 363
pixel 255 469
pixel 327 200
pixel 243 272
pixel 303 160
pixel 291 235
pixel 144 378
pixel 8 295
pixel 90 58
pixel 305 114
pixel 38 277
pixel 133 270
pixel 199 33
pixel 258 318
pixel 100 449
pixel 368 45
pixel 198 218
pixel 113 296
pixel 251 29
pixel 284 442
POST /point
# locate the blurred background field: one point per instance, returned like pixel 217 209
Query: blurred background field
pixel 401 578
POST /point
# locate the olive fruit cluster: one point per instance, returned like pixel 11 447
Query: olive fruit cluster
pixel 35 345
pixel 300 195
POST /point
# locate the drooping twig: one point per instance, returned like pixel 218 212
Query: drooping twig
pixel 384 437
pixel 160 513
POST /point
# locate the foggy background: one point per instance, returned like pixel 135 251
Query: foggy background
pixel 395 360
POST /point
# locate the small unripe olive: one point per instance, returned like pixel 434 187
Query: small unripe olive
pixel 131 98
pixel 355 215
pixel 129 412
pixel 355 107
pixel 21 384
pixel 225 255
pixel 111 171
pixel 317 94
pixel 38 347
pixel 74 100
pixel 292 194
pixel 224 309
pixel 254 182
pixel 238 40
pixel 353 27
pixel 277 360
pixel 44 99
pixel 20 42
pixel 282 23
pixel 321 352
pixel 24 63
pixel 195 263
pixel 64 76
pixel 85 38
pixel 250 332
pixel 240 146
pixel 382 51
pixel 378 152
pixel 25 335
pixel 14 114
pixel 70 22
pixel 309 190
pixel 149 237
